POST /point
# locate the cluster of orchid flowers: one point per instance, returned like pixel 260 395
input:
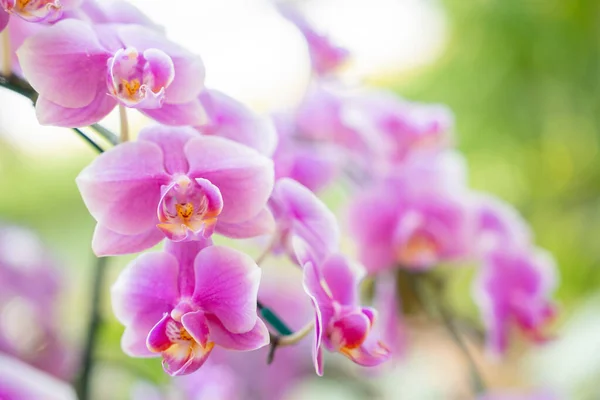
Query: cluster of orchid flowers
pixel 213 167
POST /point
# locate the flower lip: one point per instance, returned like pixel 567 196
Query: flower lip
pixel 139 80
pixel 419 251
pixel 189 208
pixel 34 10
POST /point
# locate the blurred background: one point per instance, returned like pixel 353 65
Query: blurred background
pixel 523 80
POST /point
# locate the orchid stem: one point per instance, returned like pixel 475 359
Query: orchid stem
pixel 297 336
pixel 124 124
pixel 89 140
pixel 87 361
pixel 448 322
pixel 6 53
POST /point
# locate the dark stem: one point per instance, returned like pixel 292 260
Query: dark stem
pixel 87 360
pixel 22 87
pixel 276 323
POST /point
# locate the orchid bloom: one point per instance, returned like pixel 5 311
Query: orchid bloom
pixel 299 213
pixel 325 57
pixel 228 118
pixel 314 166
pixel 514 286
pixel 499 224
pixel 175 183
pixel 402 127
pixel 19 381
pixel 417 219
pixel 47 11
pixel 341 324
pixel 83 71
pixel 181 302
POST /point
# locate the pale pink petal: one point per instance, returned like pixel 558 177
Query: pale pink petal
pixel 244 177
pixel 254 339
pixel 143 293
pixel 110 243
pixel 227 286
pixel 64 63
pixel 172 141
pixel 49 113
pixel 121 12
pixel 190 113
pixel 341 281
pixel 391 326
pixel 121 188
pixel 261 224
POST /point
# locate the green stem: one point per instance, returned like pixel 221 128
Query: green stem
pixel 87 361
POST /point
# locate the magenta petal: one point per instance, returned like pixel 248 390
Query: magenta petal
pixel 254 339
pixel 341 281
pixel 49 113
pixel 121 188
pixel 390 326
pixel 195 323
pixel 64 63
pixel 304 215
pixel 261 224
pixel 4 17
pixel 228 118
pixel 158 339
pixel 227 286
pixel 111 243
pixel 184 358
pixel 190 113
pixel 172 142
pixel 244 177
pixel 143 293
pixel 370 354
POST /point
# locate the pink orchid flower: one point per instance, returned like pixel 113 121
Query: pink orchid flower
pixel 415 219
pixel 19 381
pixel 325 57
pixel 299 213
pixel 514 286
pixel 44 11
pixel 175 183
pixel 402 127
pixel 228 118
pixel 341 324
pixel 181 302
pixel 83 71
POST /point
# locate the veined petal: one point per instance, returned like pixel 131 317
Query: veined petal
pixel 121 188
pixel 189 113
pixel 228 118
pixel 244 177
pixel 227 286
pixel 372 352
pixel 254 339
pixel 172 141
pixel 260 224
pixel 49 113
pixel 342 282
pixel 64 63
pixel 147 286
pixel 183 359
pixel 110 243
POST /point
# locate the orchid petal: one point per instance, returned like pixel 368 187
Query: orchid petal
pixel 49 113
pixel 260 224
pixel 341 281
pixel 244 177
pixel 121 188
pixel 110 243
pixel 4 18
pixel 254 339
pixel 64 63
pixel 172 142
pixel 189 113
pixel 227 286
